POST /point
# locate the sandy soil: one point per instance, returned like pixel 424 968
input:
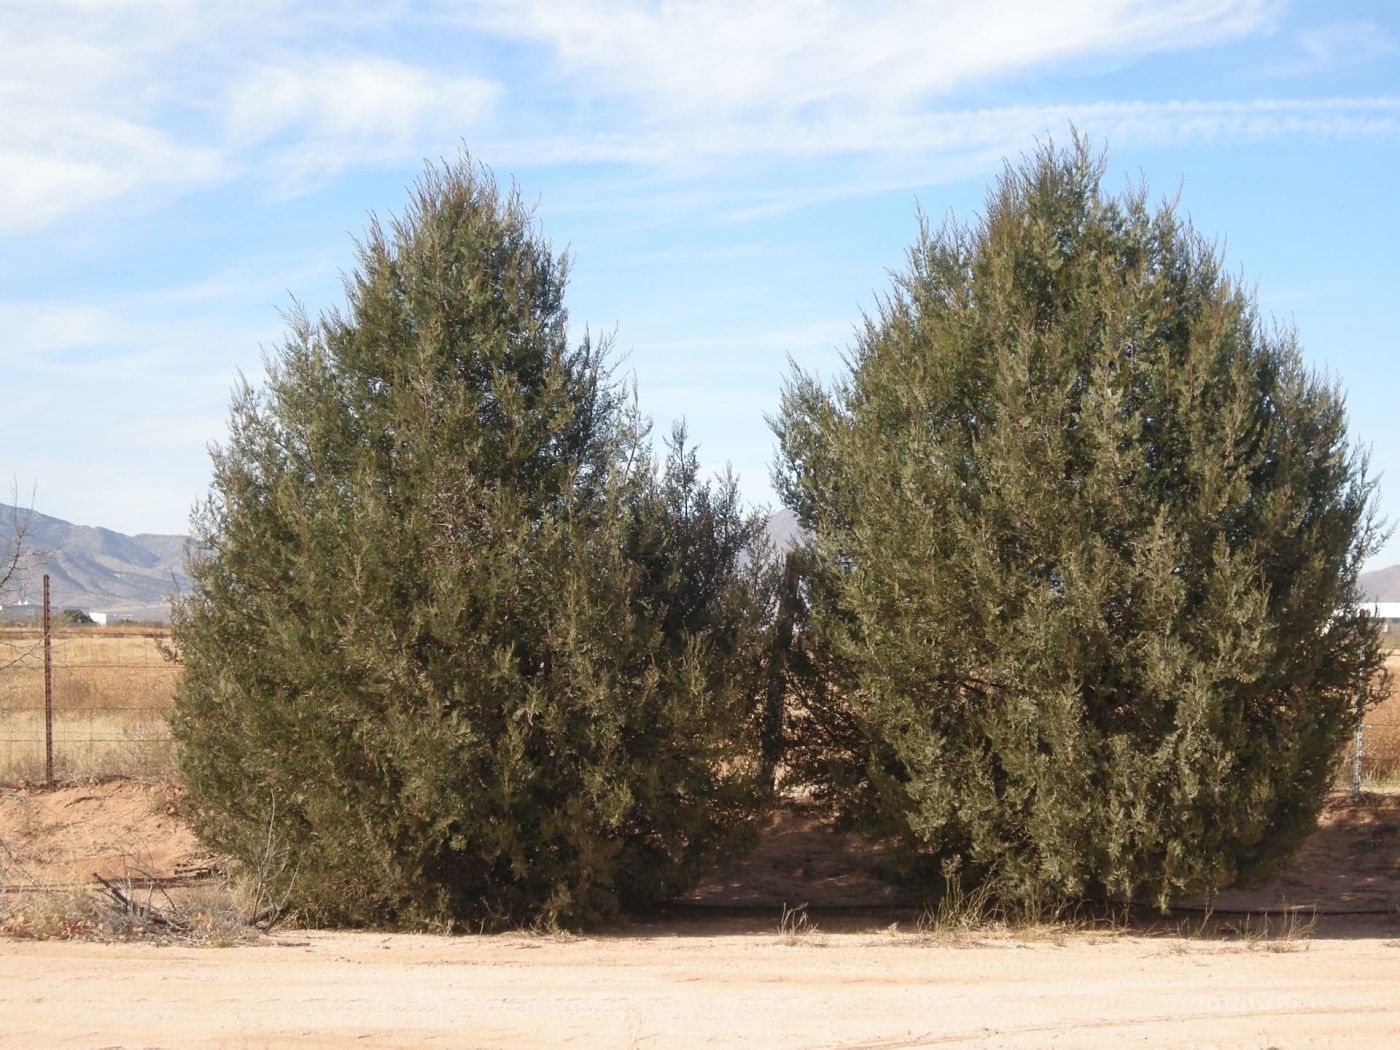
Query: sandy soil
pixel 116 829
pixel 127 828
pixel 680 986
pixel 1351 863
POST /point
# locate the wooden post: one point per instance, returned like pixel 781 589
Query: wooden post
pixel 48 686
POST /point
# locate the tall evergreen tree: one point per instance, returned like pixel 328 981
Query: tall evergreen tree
pixel 1085 537
pixel 456 651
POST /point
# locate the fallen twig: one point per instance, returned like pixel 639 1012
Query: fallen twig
pixel 146 913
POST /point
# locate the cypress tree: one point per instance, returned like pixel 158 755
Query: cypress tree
pixel 456 650
pixel 1085 538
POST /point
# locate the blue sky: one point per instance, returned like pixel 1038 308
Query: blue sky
pixel 734 181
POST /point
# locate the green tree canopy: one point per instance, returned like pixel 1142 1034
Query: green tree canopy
pixel 457 650
pixel 1085 537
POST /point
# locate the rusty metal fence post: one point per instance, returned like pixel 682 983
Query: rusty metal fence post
pixel 48 687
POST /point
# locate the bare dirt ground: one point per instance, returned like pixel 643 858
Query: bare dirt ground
pixel 113 829
pixel 680 985
pixel 127 828
pixel 714 971
pixel 1350 864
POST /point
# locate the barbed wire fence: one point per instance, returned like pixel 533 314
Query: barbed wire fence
pixel 108 697
pixel 1375 764
pixel 95 705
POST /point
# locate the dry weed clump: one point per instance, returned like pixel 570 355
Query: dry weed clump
pixel 112 694
pixel 960 912
pixel 40 915
pixel 1287 931
pixel 213 912
pixel 795 927
pixel 1284 929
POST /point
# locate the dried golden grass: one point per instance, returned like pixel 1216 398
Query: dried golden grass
pixel 1380 742
pixel 112 691
pixel 113 687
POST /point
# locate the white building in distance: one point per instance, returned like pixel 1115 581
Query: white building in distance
pixel 1388 613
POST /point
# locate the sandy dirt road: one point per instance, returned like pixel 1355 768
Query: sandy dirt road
pixel 682 985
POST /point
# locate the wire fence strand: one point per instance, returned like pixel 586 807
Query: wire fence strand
pixel 112 690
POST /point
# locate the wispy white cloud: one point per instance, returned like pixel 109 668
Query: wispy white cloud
pixel 696 84
pixel 1336 45
pixel 101 101
pixel 720 59
pixel 134 100
pixel 57 163
pixel 322 115
pixel 52 338
pixel 921 148
pixel 33 329
pixel 259 281
pixel 77 86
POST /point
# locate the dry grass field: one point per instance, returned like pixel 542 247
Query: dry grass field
pixel 112 692
pixel 1381 737
pixel 111 696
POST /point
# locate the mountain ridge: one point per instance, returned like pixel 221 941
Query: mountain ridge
pixel 101 570
pixel 96 569
pixel 1381 585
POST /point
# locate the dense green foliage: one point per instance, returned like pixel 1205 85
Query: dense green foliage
pixel 457 650
pixel 1085 536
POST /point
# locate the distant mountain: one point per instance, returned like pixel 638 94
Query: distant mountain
pixel 98 570
pixel 1382 585
pixel 783 530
